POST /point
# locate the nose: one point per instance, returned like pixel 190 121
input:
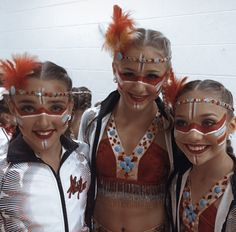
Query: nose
pixel 139 87
pixel 195 136
pixel 42 121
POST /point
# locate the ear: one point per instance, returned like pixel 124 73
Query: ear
pixel 232 125
pixel 11 106
pixel 71 106
pixel 114 69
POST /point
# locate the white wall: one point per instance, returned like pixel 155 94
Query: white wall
pixel 203 35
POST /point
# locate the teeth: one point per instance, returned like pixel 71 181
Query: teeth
pixel 196 148
pixel 43 133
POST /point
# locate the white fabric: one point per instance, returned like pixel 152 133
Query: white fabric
pixel 31 200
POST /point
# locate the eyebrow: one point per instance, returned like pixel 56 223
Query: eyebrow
pixel 56 101
pixel 27 101
pixel 145 71
pixel 24 101
pixel 202 115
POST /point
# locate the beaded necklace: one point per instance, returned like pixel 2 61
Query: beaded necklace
pixel 127 163
pixel 191 212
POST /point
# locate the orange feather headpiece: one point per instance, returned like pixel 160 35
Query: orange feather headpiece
pixel 171 89
pixel 14 73
pixel 120 32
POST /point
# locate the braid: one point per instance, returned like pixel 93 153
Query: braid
pixel 230 152
pixel 164 111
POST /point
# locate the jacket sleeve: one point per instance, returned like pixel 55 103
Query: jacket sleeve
pixel 86 124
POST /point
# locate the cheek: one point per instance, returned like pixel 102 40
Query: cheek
pixel 179 136
pixel 218 137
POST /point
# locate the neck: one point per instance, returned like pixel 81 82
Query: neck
pixel 127 114
pixel 215 168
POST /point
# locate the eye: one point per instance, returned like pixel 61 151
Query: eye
pixel 208 122
pixel 152 76
pixel 180 123
pixel 27 109
pixel 57 108
pixel 128 75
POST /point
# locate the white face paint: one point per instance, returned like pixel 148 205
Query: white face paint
pixel 200 128
pixel 43 113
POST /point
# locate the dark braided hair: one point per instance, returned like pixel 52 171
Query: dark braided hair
pixel 82 98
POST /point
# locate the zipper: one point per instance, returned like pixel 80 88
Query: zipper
pixel 62 199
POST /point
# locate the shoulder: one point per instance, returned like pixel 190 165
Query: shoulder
pixel 82 150
pixel 3 166
pixel 89 115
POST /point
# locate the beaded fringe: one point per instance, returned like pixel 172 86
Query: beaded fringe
pixel 131 195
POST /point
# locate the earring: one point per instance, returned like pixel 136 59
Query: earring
pixel 115 79
pixel 66 118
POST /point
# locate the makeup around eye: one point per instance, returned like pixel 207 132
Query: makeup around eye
pixel 205 125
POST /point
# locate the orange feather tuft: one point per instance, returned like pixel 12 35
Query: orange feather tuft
pixel 119 32
pixel 172 88
pixel 16 71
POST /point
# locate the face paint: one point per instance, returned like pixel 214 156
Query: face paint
pixel 215 133
pixel 45 144
pixel 58 118
pixel 150 79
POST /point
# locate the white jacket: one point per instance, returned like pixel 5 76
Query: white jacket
pixel 35 198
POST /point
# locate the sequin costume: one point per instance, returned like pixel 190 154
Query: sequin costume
pixel 136 180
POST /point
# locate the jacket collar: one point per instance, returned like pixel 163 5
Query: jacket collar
pixel 19 151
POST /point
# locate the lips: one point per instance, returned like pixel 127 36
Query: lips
pixel 196 149
pixel 44 134
pixel 137 98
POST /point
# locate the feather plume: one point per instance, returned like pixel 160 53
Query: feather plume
pixel 14 72
pixel 119 32
pixel 171 89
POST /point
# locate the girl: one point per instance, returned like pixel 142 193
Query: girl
pixel 203 194
pixel 82 100
pixel 128 133
pixel 44 176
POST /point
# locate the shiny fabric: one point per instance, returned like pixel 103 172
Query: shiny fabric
pixel 35 198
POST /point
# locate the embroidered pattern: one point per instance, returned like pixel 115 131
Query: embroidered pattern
pixel 127 164
pixel 191 213
pixel 76 186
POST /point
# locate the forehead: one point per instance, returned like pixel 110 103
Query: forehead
pixel 42 86
pixel 198 109
pixel 148 52
pixel 34 84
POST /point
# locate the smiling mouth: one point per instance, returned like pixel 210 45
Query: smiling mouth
pixel 196 149
pixel 137 98
pixel 44 134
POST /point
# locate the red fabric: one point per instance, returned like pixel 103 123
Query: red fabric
pixel 153 166
pixel 207 219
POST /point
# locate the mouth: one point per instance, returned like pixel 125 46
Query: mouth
pixel 196 149
pixel 138 98
pixel 44 134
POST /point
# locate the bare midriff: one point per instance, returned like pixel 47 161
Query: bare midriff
pixel 115 215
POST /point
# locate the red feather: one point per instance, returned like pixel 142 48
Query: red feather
pixel 16 71
pixel 119 32
pixel 172 88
